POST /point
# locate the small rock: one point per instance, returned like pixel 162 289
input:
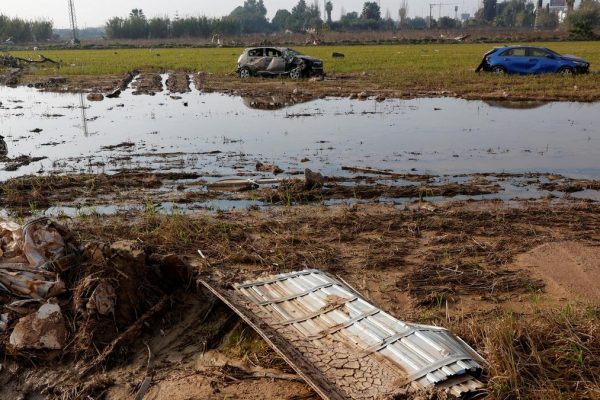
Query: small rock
pixel 353 96
pixel 95 97
pixel 265 167
pixel 337 55
pixel 363 96
pixel 36 130
pixel 45 329
pixel 305 160
pixel 380 98
pixel 313 180
pixel 295 91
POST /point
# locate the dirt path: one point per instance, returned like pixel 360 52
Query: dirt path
pixel 570 269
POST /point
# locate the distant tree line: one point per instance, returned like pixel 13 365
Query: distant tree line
pixel 251 17
pixel 19 30
pixel 525 14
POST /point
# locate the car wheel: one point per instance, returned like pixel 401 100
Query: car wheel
pixel 567 71
pixel 296 73
pixel 245 73
pixel 499 70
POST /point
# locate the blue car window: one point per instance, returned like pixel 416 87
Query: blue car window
pixel 518 52
pixel 537 53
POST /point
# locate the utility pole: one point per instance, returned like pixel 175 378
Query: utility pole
pixel 73 21
pixel 440 5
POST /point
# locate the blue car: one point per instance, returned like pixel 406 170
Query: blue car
pixel 531 60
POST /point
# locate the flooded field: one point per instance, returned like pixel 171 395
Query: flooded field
pixel 481 217
pixel 212 136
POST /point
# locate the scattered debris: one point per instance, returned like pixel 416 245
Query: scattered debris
pixel 49 83
pixel 337 55
pixel 313 180
pixel 240 184
pixel 95 97
pixel 369 170
pixel 266 167
pixel 33 255
pixel 345 347
pixel 123 145
pixel 114 94
pixel 45 329
pixel 232 185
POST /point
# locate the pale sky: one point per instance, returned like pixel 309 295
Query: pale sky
pixel 95 12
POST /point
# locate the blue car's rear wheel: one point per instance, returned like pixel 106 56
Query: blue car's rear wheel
pixel 498 70
pixel 567 71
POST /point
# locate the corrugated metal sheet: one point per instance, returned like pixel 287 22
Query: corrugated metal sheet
pixel 316 311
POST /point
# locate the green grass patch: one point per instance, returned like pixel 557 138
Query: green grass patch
pixel 385 60
pixel 411 68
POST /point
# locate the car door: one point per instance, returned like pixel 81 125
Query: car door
pixel 515 60
pixel 261 61
pixel 276 62
pixel 541 61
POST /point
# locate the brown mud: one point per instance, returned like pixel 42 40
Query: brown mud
pixel 354 85
pixel 27 194
pixel 470 266
pixel 178 82
pixel 148 83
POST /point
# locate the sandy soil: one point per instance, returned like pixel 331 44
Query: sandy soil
pixel 571 270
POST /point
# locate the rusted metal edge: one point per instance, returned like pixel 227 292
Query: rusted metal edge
pixel 292 356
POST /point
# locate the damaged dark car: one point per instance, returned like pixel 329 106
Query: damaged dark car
pixel 277 61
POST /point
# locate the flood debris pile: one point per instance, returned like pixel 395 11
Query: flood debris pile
pixel 33 258
pixel 15 67
pixel 345 347
pixel 316 187
pixel 81 302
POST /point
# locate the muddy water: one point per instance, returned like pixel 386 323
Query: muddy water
pixel 224 135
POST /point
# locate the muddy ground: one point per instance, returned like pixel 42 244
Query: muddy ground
pixel 354 85
pixel 518 281
pixel 30 195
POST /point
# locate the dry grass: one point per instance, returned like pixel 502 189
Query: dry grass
pixel 545 354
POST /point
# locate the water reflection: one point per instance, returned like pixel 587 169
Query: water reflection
pixel 272 102
pixel 226 136
pixel 516 105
